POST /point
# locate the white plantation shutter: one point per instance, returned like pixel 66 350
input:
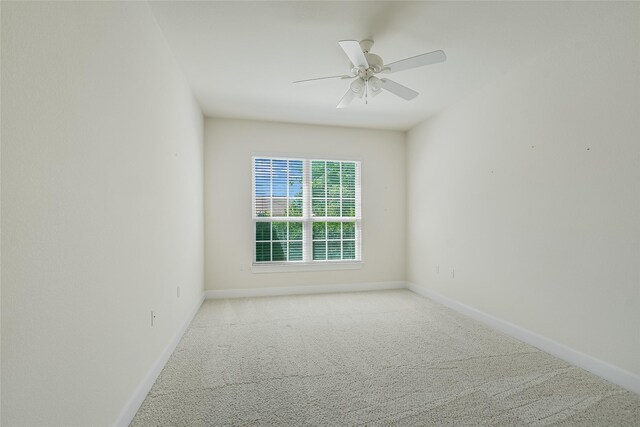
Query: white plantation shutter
pixel 306 210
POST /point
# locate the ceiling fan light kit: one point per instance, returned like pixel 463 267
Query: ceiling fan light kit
pixel 365 66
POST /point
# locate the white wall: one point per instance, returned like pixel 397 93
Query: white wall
pixel 529 190
pixel 102 211
pixel 229 145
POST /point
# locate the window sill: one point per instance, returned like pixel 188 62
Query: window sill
pixel 299 266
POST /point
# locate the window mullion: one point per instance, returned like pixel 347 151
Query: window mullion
pixel 307 224
pixel 326 191
pixel 271 188
pixel 340 192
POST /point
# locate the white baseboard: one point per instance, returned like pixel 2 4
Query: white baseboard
pixel 132 406
pixel 612 373
pixel 300 290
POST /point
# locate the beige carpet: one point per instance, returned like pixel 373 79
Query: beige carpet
pixel 368 358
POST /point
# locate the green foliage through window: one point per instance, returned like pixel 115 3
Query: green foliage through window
pixel 278 241
pixel 333 189
pixel 334 241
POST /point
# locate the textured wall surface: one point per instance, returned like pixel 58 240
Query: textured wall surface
pixel 101 208
pixel 528 190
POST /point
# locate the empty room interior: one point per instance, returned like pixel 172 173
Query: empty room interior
pixel 320 213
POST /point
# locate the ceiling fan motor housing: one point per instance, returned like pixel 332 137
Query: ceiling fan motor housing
pixel 375 62
pixel 375 66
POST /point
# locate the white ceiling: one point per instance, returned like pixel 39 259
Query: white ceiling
pixel 241 57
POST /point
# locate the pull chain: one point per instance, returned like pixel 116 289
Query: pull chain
pixel 366 92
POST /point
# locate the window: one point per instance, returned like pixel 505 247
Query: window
pixel 306 211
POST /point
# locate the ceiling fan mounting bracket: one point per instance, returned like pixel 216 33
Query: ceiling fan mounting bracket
pixel 366 45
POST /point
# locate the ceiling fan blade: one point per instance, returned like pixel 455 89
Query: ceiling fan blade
pixel 417 61
pixel 354 52
pixel 398 89
pixel 324 78
pixel 346 99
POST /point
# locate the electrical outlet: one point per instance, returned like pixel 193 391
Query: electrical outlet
pixel 178 292
pixel 153 318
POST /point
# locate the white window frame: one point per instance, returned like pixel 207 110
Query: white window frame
pixel 307 219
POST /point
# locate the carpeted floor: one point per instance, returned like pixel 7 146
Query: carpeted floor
pixel 368 358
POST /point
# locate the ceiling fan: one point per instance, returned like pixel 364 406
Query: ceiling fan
pixel 365 66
